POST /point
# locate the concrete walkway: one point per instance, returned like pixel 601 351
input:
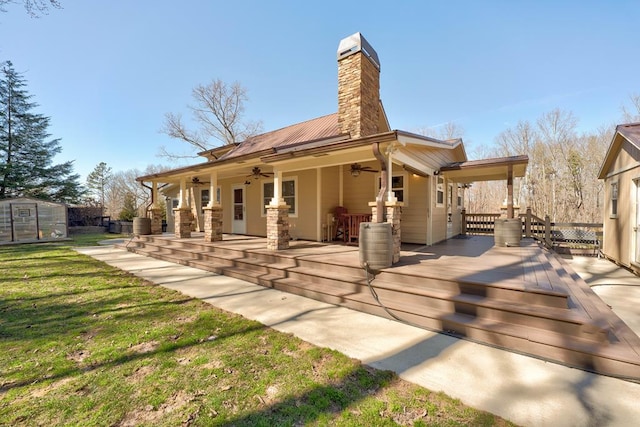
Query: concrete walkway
pixel 522 389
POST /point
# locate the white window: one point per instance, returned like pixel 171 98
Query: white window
pixel 439 191
pixel 289 194
pixel 614 200
pixel 398 187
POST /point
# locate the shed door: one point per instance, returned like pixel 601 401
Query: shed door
pixel 24 217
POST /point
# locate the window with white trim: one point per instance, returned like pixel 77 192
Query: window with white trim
pixel 204 197
pixel 397 186
pixel 289 194
pixel 439 191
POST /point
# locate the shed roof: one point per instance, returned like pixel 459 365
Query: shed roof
pixel 629 132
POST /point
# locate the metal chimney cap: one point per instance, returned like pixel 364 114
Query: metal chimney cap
pixel 357 43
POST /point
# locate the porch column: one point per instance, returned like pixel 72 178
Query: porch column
pixel 182 213
pixel 213 213
pixel 510 192
pixel 154 211
pixel 212 223
pixel 277 217
pixel 156 220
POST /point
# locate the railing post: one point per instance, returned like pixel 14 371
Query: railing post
pixel 463 213
pixel 547 231
pixel 527 224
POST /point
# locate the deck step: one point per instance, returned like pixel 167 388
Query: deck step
pixel 548 321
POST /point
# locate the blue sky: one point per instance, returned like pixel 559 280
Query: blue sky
pixel 106 72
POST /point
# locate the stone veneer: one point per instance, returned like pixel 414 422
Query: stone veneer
pixel 156 220
pixel 183 219
pixel 393 215
pixel 358 95
pixel 213 224
pixel 277 227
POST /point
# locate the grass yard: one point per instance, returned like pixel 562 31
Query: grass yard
pixel 82 343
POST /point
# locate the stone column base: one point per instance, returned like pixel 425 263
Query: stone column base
pixel 183 222
pixel 156 220
pixel 213 224
pixel 277 227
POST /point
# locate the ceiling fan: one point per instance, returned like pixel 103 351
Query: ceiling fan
pixel 196 181
pixel 356 168
pixel 257 173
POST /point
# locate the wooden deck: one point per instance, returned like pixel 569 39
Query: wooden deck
pixel 524 299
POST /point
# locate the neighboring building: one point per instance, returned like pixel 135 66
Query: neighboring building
pixel 300 174
pixel 621 174
pixel 30 220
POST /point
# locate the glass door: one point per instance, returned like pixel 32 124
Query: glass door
pixel 25 221
pixel 238 224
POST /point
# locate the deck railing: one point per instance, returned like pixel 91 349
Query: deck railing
pixel 569 237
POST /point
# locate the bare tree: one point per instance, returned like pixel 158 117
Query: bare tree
pixel 123 185
pixel 218 109
pixel 35 8
pixel 449 130
pixel 631 114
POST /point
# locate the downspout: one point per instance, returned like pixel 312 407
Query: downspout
pixel 380 211
pixel 146 209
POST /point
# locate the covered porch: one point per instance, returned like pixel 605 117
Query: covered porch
pixel 525 299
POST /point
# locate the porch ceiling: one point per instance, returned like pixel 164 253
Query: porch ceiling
pixel 496 169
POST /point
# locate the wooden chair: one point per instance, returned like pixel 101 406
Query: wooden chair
pixel 354 227
pixel 342 223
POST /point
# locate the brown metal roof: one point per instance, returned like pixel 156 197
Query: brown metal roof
pixel 631 131
pixel 486 169
pixel 315 129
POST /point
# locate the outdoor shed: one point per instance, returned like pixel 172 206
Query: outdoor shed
pixel 621 174
pixel 29 220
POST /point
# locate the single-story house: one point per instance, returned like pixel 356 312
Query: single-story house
pixel 28 220
pixel 621 174
pixel 291 182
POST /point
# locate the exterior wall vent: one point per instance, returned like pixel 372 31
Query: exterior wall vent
pixel 357 43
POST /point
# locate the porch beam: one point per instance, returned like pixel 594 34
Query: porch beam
pixel 213 186
pixel 182 202
pixel 277 199
pixel 154 194
pixel 510 191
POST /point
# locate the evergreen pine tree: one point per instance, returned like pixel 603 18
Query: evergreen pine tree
pixel 26 152
pixel 98 180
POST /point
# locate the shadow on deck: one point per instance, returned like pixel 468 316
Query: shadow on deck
pixel 524 299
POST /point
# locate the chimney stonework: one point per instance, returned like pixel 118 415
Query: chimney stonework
pixel 358 89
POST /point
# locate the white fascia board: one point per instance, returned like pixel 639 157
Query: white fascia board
pixel 400 157
pixel 426 142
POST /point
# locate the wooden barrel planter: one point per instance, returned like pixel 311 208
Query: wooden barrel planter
pixel 141 226
pixel 507 232
pixel 376 245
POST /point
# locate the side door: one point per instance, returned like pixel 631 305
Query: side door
pixel 238 222
pixel 24 218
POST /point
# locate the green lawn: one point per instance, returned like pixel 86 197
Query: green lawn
pixel 82 343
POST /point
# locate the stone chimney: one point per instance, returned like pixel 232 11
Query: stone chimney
pixel 358 87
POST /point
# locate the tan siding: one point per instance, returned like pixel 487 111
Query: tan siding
pixel 415 214
pixel 305 223
pixel 330 191
pixel 359 191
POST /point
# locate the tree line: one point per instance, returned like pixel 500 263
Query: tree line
pixel 561 180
